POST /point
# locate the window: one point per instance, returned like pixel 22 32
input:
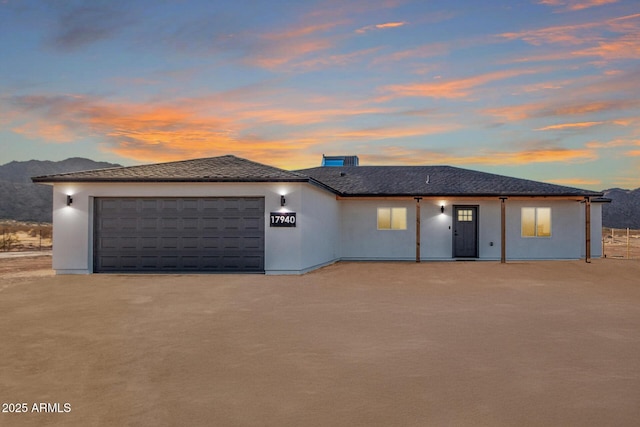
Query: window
pixel 465 215
pixel 536 222
pixel 392 218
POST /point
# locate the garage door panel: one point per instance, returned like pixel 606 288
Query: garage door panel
pixel 210 223
pixel 190 243
pixel 191 223
pixel 149 223
pixel 128 242
pixel 169 243
pixel 179 234
pixel 190 204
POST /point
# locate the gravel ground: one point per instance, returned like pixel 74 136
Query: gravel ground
pixel 371 344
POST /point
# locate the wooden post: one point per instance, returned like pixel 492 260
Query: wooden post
pixel 503 230
pixel 418 228
pixel 587 222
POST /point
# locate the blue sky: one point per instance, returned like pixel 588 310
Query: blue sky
pixel 541 89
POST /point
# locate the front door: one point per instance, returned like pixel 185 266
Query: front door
pixel 465 231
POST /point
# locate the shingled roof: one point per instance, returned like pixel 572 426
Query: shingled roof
pixel 346 181
pixel 213 169
pixel 431 181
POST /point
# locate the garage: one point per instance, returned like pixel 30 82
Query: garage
pixel 169 234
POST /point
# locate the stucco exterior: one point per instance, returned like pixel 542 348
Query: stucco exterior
pixel 361 240
pixel 330 229
pixel 336 210
pixel 287 250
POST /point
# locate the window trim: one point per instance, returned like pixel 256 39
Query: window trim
pixel 535 222
pixel 390 213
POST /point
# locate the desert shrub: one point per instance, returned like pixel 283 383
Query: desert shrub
pixel 8 241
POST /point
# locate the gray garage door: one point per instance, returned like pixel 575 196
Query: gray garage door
pixel 222 234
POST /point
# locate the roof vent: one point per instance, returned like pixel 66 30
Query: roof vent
pixel 342 174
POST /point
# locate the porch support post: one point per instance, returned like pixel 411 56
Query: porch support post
pixel 418 228
pixel 587 231
pixel 503 230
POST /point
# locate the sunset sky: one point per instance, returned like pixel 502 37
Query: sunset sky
pixel 540 89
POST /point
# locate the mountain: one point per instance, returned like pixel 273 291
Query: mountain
pixel 22 200
pixel 624 209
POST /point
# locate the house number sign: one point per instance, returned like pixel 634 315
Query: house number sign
pixel 283 219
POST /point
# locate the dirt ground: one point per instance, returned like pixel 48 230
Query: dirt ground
pixel 371 344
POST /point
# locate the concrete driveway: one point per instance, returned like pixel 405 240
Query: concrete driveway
pixel 353 344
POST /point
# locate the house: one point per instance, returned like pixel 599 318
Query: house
pixel 228 214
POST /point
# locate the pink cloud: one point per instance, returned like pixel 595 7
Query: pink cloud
pixel 611 39
pixel 575 5
pixel 380 27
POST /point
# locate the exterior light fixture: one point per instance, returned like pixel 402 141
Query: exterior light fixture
pixel 283 201
pixel 442 208
pixel 69 199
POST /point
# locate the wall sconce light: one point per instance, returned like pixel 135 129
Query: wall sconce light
pixel 442 208
pixel 69 200
pixel 283 201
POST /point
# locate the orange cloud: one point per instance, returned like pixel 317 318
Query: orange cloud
pixel 301 31
pixel 391 132
pixel 207 126
pixel 147 132
pixel 53 132
pixel 626 47
pixel 633 153
pixel 548 109
pixel 565 34
pixel 277 56
pixel 610 144
pixel 283 48
pixel 455 88
pixel 301 117
pixel 565 126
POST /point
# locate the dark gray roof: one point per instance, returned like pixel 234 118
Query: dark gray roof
pixel 431 181
pixel 344 181
pixel 213 169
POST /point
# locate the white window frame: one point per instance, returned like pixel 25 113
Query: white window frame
pixel 536 210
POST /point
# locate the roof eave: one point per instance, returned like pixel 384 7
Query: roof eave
pixel 49 180
pixel 452 195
